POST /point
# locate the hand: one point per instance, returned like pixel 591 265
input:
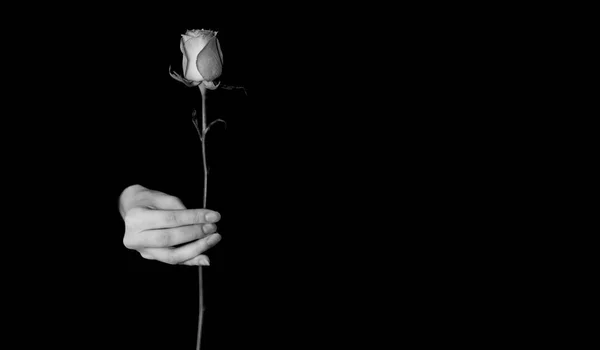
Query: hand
pixel 160 227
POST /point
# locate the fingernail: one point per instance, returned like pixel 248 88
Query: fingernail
pixel 209 228
pixel 205 262
pixel 213 239
pixel 212 216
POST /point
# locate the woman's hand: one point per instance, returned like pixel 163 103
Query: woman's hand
pixel 160 227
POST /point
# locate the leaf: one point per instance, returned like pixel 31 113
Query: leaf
pixel 211 124
pixel 179 78
pixel 230 87
pixel 195 122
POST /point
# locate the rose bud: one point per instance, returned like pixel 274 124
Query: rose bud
pixel 202 56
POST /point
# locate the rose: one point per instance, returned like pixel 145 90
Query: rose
pixel 202 64
pixel 202 58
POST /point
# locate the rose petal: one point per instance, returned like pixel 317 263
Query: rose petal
pixel 209 62
pixel 220 51
pixel 192 32
pixel 192 48
pixel 206 34
pixel 184 63
pixel 181 44
pixel 210 85
pixel 178 77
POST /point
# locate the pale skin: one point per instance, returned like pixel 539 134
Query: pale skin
pixel 160 227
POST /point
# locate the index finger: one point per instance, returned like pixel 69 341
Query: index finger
pixel 180 217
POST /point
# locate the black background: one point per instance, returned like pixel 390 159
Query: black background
pixel 289 175
pixel 381 177
pixel 340 177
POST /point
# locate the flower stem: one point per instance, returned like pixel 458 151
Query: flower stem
pixel 202 135
pixel 204 130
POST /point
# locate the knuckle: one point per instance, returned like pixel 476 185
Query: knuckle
pixel 174 201
pixel 127 242
pixel 172 218
pixel 132 219
pixel 131 241
pixel 133 212
pixel 128 222
pixel 128 226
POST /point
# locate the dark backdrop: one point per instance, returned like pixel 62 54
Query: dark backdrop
pixel 359 181
pixel 102 113
pixel 294 175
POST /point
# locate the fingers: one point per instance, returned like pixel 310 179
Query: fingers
pixel 164 238
pixel 187 252
pixel 166 201
pixel 201 260
pixel 154 219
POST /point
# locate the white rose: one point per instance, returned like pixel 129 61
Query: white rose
pixel 202 56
